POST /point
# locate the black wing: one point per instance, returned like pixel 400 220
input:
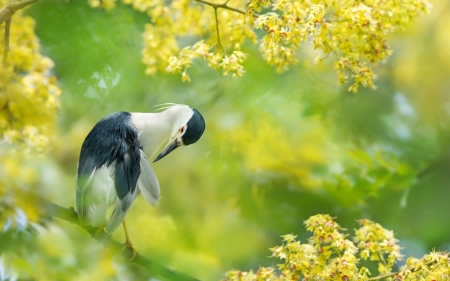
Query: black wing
pixel 114 138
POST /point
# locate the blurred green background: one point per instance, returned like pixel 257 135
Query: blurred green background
pixel 277 148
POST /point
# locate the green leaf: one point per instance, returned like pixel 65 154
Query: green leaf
pixel 361 156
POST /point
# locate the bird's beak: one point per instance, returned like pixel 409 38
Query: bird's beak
pixel 171 146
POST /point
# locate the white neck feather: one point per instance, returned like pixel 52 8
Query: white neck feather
pixel 156 128
pixel 152 132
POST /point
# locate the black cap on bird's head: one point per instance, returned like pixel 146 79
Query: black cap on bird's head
pixel 187 134
pixel 194 128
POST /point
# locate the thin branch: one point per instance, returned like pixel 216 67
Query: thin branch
pixel 6 49
pixel 6 13
pixel 217 30
pixel 380 277
pixel 153 268
pixel 223 6
pixel 387 275
pixel 216 6
pixel 13 6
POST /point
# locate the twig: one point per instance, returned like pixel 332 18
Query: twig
pixel 6 13
pixel 387 275
pixel 217 30
pixel 153 268
pixel 216 6
pixel 13 6
pixel 222 5
pixel 6 49
pixel 380 277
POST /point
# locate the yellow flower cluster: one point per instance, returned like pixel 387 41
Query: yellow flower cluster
pixel 328 255
pixel 228 64
pixel 105 4
pixel 434 266
pixel 28 91
pixel 354 32
pixel 183 61
pixel 378 244
pixel 28 108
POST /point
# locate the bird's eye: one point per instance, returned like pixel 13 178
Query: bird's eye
pixel 182 130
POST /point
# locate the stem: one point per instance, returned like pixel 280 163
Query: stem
pixel 223 6
pixel 153 268
pixel 380 255
pixel 216 6
pixel 380 277
pixel 217 30
pixel 6 13
pixel 10 8
pixel 6 49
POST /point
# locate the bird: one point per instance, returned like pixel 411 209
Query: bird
pixel 113 166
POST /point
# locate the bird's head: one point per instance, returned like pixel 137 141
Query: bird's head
pixel 188 126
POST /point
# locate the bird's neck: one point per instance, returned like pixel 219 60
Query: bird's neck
pixel 153 130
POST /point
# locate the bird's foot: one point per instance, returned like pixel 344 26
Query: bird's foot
pixel 100 229
pixel 130 251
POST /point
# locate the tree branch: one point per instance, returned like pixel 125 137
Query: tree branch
pixel 6 13
pixel 223 6
pixel 6 47
pixel 13 6
pixel 217 30
pixel 153 268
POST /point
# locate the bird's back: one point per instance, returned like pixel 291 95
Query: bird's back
pixel 109 163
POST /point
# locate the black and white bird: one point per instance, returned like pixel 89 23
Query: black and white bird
pixel 113 167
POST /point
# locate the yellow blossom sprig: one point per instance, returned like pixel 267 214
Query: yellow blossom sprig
pixel 184 59
pixel 28 90
pixel 355 33
pixel 231 64
pixel 328 255
pixel 377 244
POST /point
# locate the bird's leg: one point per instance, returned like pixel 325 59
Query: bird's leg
pixel 128 244
pixel 100 229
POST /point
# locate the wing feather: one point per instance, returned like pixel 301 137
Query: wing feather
pixel 108 170
pixel 127 173
pixel 82 185
pixel 148 182
pixel 120 211
pixel 127 168
pixel 94 200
